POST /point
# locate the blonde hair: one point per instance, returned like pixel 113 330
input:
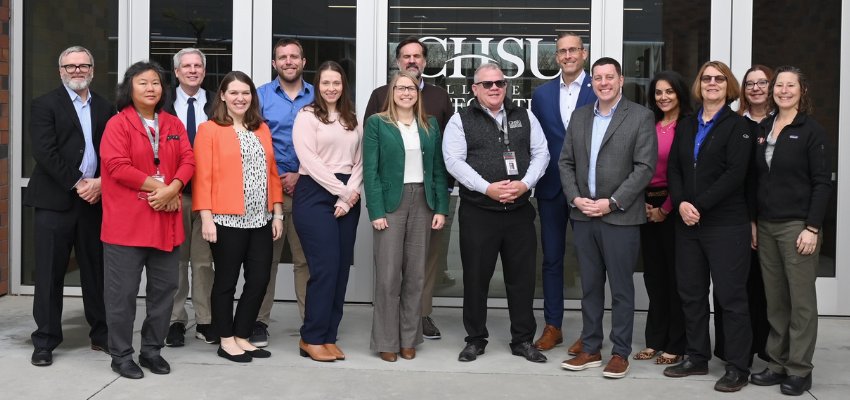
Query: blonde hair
pixel 733 89
pixel 391 113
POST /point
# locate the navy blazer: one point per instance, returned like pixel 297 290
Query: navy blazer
pixel 546 106
pixel 58 145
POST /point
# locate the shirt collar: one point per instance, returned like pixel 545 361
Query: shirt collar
pixel 306 88
pixel 613 109
pixel 74 96
pixel 183 97
pixel 578 81
pixel 712 120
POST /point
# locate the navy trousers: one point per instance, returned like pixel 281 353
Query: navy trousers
pixel 554 217
pixel 328 244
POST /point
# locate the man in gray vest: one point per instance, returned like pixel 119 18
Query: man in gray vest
pixel 497 152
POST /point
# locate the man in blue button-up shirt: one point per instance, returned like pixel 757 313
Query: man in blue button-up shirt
pixel 280 101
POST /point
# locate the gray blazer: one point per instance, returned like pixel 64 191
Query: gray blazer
pixel 625 164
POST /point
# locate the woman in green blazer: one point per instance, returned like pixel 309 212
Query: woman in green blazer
pixel 404 179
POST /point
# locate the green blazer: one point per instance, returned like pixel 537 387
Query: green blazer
pixel 383 167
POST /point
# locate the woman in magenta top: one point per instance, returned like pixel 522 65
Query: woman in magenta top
pixel 326 205
pixel 146 160
pixel 665 329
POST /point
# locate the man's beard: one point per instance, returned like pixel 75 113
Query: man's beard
pixel 76 84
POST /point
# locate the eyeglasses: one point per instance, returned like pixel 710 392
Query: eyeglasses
pixel 403 89
pixel 762 83
pixel 70 68
pixel 489 84
pixel 571 51
pixel 717 78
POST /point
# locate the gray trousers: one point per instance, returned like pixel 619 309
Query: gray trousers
pixel 792 303
pixel 400 254
pixel 299 270
pixel 438 251
pixel 195 253
pixel 122 275
pixel 605 250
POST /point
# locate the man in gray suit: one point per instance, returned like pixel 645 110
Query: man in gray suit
pixel 606 163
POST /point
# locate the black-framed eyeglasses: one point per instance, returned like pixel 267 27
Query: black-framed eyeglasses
pixel 762 83
pixel 717 78
pixel 571 51
pixel 403 89
pixel 70 68
pixel 489 84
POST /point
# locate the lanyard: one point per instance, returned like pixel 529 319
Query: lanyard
pixel 503 129
pixel 154 139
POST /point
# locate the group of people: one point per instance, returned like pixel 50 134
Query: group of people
pixel 196 179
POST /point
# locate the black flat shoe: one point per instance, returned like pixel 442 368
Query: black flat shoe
pixel 258 353
pixel 240 358
pixel 128 369
pixel 525 349
pixel 471 351
pixel 156 364
pixel 732 381
pixel 796 385
pixel 41 357
pixel 767 378
pixel 100 347
pixel 686 368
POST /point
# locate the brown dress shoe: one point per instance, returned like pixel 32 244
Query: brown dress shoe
pixel 575 348
pixel 408 353
pixel 388 356
pixel 617 367
pixel 335 351
pixel 550 338
pixel 582 361
pixel 316 352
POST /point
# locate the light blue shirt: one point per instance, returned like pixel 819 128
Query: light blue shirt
pixel 89 164
pixel 600 125
pixel 279 111
pixel 454 153
pixel 181 106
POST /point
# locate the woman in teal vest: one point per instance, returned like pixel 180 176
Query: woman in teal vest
pixel 404 177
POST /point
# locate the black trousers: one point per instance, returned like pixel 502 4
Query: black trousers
pixel 719 254
pixel 758 315
pixel 235 249
pixel 665 321
pixel 56 233
pixel 484 236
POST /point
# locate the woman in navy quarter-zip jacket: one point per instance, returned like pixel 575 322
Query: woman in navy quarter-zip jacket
pixel 706 174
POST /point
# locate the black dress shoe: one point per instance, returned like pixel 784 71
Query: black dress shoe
pixel 41 357
pixel 767 378
pixel 156 364
pixel 240 358
pixel 176 335
pixel 525 349
pixel 732 381
pixel 258 353
pixel 796 385
pixel 472 351
pixel 128 369
pixel 686 368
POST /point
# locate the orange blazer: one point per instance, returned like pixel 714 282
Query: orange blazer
pixel 217 185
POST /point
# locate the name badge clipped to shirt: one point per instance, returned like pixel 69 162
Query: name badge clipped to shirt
pixel 510 163
pixel 159 177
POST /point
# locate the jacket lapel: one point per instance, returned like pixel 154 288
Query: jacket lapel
pixel 67 105
pixel 556 104
pixel 616 120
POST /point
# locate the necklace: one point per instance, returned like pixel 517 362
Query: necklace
pixel 666 129
pixel 406 124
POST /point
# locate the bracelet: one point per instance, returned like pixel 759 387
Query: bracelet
pixel 811 230
pixel 278 216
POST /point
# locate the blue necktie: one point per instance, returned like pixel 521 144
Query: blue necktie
pixel 190 120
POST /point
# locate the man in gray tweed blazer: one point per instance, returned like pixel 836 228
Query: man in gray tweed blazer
pixel 606 163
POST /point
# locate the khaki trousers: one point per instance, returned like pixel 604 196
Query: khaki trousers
pixel 195 253
pixel 438 251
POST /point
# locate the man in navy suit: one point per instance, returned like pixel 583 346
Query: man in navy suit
pixel 66 125
pixel 553 104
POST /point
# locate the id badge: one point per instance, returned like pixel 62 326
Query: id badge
pixel 159 177
pixel 510 163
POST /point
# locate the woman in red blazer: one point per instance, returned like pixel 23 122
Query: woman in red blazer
pixel 239 196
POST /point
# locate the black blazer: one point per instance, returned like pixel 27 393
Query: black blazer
pixel 169 103
pixel 58 145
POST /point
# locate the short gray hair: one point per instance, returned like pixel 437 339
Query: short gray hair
pixel 486 66
pixel 189 50
pixel 75 49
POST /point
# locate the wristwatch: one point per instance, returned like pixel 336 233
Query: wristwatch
pixel 613 205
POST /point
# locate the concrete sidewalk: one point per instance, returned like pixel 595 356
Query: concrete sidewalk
pixel 198 373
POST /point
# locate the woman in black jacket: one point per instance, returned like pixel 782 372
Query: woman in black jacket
pixel 793 192
pixel 706 173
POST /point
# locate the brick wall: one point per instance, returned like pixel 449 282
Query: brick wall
pixel 4 146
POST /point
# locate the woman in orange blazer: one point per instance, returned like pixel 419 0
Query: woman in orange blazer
pixel 238 193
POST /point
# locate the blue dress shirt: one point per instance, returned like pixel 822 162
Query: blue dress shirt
pixel 279 111
pixel 600 125
pixel 89 164
pixel 703 128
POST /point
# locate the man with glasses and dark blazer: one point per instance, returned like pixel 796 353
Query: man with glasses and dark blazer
pixel 66 125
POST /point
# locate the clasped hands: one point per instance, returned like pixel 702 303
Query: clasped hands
pixel 165 198
pixel 592 208
pixel 506 191
pixel 339 211
pixel 89 190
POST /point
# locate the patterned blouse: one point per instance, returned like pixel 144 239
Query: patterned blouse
pixel 255 186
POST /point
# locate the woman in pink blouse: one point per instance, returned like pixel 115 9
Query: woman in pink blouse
pixel 665 327
pixel 326 205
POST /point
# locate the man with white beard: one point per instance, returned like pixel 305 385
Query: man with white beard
pixel 66 125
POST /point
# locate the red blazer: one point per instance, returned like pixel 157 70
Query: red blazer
pixel 126 161
pixel 218 177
